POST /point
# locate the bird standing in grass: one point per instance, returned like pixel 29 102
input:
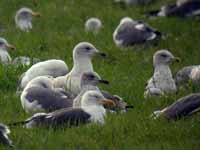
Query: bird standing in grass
pixel 23 18
pixel 162 82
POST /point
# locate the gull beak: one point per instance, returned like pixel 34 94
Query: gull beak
pixel 101 54
pixel 104 81
pixel 36 14
pixel 176 59
pixel 108 102
pixel 9 46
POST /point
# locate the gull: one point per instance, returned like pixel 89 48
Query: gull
pixel 52 67
pixel 4 55
pixel 82 55
pixel 93 25
pixel 162 82
pixel 131 32
pixel 187 75
pixel 182 8
pixel 183 107
pixel 23 18
pixel 91 111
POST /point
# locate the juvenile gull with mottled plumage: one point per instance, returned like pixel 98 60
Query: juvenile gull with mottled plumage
pixel 162 82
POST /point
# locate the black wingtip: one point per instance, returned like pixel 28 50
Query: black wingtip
pixel 152 13
pixel 129 107
pixel 17 123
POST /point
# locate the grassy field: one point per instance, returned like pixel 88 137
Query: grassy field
pixel 55 34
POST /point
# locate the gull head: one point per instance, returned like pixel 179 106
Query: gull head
pixel 164 57
pixel 95 98
pixel 92 78
pixel 86 50
pixel 23 18
pixel 4 45
pixel 128 20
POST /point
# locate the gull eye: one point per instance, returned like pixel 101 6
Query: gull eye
pixel 88 48
pixel 24 13
pixel 163 55
pixel 1 43
pixel 91 76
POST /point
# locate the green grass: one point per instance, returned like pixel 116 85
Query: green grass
pixel 54 36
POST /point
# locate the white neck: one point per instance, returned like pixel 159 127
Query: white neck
pixel 4 56
pixel 97 113
pixel 164 68
pixel 82 64
pixel 89 87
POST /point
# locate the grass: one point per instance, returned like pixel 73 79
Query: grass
pixel 54 36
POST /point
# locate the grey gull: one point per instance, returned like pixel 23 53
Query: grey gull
pixel 131 32
pixel 91 111
pixel 183 107
pixel 189 75
pixel 186 8
pixel 40 95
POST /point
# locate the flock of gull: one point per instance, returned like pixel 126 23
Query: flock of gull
pixel 59 97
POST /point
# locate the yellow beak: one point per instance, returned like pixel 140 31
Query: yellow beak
pixel 36 14
pixel 9 46
pixel 177 59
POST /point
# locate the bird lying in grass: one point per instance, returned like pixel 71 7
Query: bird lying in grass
pixel 91 111
pixel 183 107
pixel 188 76
pixel 131 32
pixel 183 8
